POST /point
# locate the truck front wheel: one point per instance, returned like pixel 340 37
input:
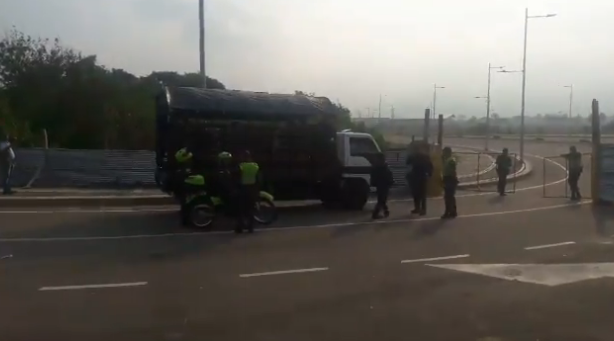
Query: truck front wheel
pixel 355 194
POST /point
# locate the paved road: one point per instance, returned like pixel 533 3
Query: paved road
pixel 343 279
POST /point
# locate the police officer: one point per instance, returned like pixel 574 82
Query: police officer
pixel 504 165
pixel 450 181
pixel 183 159
pixel 7 161
pixel 248 190
pixel 382 180
pixel 421 171
pixel 226 186
pixel 574 167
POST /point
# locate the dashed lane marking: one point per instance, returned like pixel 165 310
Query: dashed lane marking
pixel 545 246
pixel 433 259
pixel 286 228
pixel 283 272
pixel 92 286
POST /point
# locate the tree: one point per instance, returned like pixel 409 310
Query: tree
pixel 81 104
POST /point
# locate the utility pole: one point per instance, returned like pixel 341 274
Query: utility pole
pixel 391 112
pixel 524 75
pixel 379 112
pixel 201 22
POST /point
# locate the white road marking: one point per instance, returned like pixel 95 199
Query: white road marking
pixel 283 272
pixel 537 247
pixel 543 274
pixel 92 286
pixel 287 228
pixel 433 259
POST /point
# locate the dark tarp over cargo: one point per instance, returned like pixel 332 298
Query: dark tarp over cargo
pixel 246 103
pixel 292 137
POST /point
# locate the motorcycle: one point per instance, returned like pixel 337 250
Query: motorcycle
pixel 200 209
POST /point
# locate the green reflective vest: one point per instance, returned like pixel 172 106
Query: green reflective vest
pixel 449 167
pixel 249 173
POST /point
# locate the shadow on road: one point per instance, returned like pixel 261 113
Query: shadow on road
pixel 430 228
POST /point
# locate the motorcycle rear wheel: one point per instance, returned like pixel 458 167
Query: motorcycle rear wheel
pixel 266 216
pixel 201 213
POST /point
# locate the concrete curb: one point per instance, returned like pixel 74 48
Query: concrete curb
pixel 82 201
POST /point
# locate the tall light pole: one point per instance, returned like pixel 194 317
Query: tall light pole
pixel 435 87
pixel 201 22
pixel 524 74
pixel 379 110
pixel 490 68
pixel 570 105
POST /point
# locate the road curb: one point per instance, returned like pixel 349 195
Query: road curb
pixel 82 201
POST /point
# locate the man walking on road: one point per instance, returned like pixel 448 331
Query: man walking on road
pixel 450 181
pixel 421 171
pixel 574 168
pixel 382 180
pixel 7 162
pixel 504 164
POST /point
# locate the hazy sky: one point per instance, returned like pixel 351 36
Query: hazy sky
pixel 353 50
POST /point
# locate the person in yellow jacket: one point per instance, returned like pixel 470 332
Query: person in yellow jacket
pixel 450 182
pixel 248 191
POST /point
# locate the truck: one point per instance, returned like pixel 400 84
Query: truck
pixel 294 139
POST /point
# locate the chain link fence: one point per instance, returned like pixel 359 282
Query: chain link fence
pixel 111 169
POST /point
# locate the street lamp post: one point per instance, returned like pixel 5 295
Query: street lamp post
pixel 524 74
pixel 490 68
pixel 435 87
pixel 570 105
pixel 201 26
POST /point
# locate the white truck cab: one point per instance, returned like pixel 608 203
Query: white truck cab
pixel 354 150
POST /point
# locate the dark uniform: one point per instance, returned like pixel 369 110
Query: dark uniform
pixel 450 182
pixel 248 191
pixel 574 167
pixel 226 185
pixel 382 180
pixel 421 171
pixel 7 158
pixel 504 165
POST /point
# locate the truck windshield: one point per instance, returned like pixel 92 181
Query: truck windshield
pixel 362 145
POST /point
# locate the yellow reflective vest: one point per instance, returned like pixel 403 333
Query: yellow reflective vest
pixel 249 173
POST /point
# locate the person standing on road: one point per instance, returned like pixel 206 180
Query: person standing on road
pixel 421 171
pixel 450 181
pixel 504 165
pixel 227 185
pixel 248 191
pixel 382 180
pixel 7 162
pixel 574 168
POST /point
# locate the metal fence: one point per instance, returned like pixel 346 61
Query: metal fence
pixel 54 168
pixel 84 168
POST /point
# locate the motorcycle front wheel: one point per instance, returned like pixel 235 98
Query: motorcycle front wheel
pixel 265 212
pixel 201 213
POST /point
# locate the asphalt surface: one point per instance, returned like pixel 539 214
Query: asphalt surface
pixel 315 275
